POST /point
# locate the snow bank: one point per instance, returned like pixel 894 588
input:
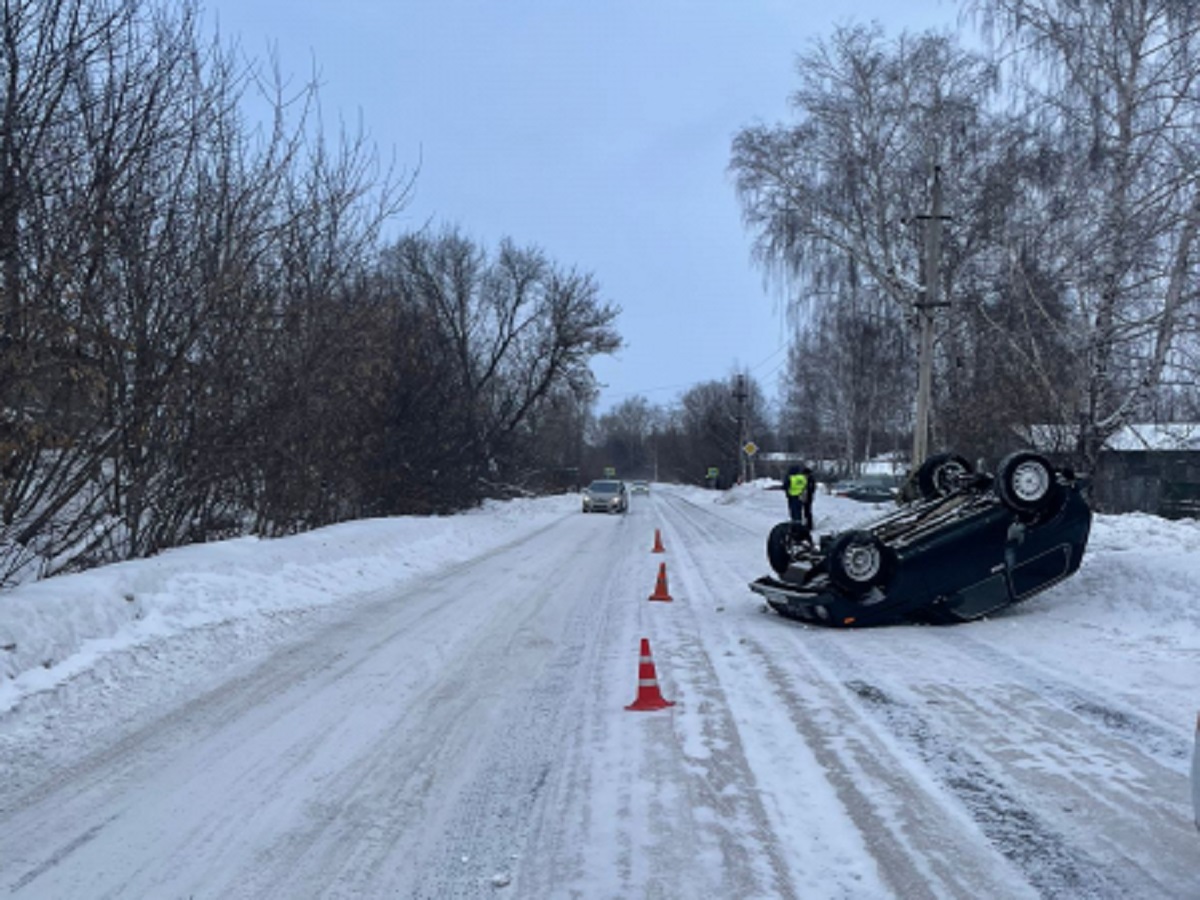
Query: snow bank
pixel 51 630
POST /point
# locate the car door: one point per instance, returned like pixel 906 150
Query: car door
pixel 967 575
pixel 1040 553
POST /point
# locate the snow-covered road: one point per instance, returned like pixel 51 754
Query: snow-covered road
pixel 464 734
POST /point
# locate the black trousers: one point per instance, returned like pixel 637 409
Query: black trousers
pixel 799 510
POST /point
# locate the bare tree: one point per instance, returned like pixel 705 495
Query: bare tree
pixel 835 202
pixel 625 434
pixel 199 334
pixel 515 329
pixel 849 385
pixel 50 380
pixel 841 187
pixel 140 275
pixel 1112 86
pixel 705 435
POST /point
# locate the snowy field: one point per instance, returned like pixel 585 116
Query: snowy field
pixel 1044 752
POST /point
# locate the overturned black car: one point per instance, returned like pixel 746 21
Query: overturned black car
pixel 972 544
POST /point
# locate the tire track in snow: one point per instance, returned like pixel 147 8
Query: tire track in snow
pixel 483 759
pixel 719 783
pixel 1073 808
pixel 1143 732
pixel 537 757
pixel 901 819
pixel 1109 782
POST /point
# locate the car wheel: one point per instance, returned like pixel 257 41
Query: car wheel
pixel 941 475
pixel 859 561
pixel 1025 482
pixel 782 543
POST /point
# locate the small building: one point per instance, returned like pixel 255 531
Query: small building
pixel 1145 467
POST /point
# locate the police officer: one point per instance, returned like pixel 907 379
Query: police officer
pixel 810 488
pixel 797 484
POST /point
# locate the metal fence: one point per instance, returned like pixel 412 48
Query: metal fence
pixel 1162 482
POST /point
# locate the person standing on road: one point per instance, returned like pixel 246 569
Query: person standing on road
pixel 810 488
pixel 797 484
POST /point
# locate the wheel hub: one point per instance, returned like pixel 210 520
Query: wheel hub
pixel 861 562
pixel 1030 481
pixel 948 476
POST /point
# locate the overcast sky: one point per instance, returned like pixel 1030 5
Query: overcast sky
pixel 597 130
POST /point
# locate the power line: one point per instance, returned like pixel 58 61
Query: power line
pixel 767 359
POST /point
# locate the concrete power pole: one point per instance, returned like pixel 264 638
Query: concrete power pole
pixel 739 394
pixel 926 304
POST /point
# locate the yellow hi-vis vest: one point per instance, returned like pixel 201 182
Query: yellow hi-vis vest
pixel 796 485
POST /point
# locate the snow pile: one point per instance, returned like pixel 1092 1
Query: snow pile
pixel 1153 562
pixel 52 630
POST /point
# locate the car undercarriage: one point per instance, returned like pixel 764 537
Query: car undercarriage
pixel 972 544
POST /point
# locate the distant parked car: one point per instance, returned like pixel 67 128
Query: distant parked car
pixel 972 544
pixel 640 487
pixel 868 489
pixel 605 496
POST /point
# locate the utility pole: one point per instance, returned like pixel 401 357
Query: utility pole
pixel 739 394
pixel 927 302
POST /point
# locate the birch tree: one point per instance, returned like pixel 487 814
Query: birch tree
pixel 1111 86
pixel 843 187
pixel 835 201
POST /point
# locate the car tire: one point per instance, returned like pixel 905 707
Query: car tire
pixel 859 561
pixel 941 475
pixel 1025 482
pixel 781 542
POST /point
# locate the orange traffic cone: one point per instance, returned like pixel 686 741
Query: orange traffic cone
pixel 660 586
pixel 649 697
pixel 658 547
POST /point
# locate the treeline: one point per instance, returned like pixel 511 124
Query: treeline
pixel 705 428
pixel 202 331
pixel 1068 156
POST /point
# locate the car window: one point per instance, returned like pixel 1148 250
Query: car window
pixel 604 487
